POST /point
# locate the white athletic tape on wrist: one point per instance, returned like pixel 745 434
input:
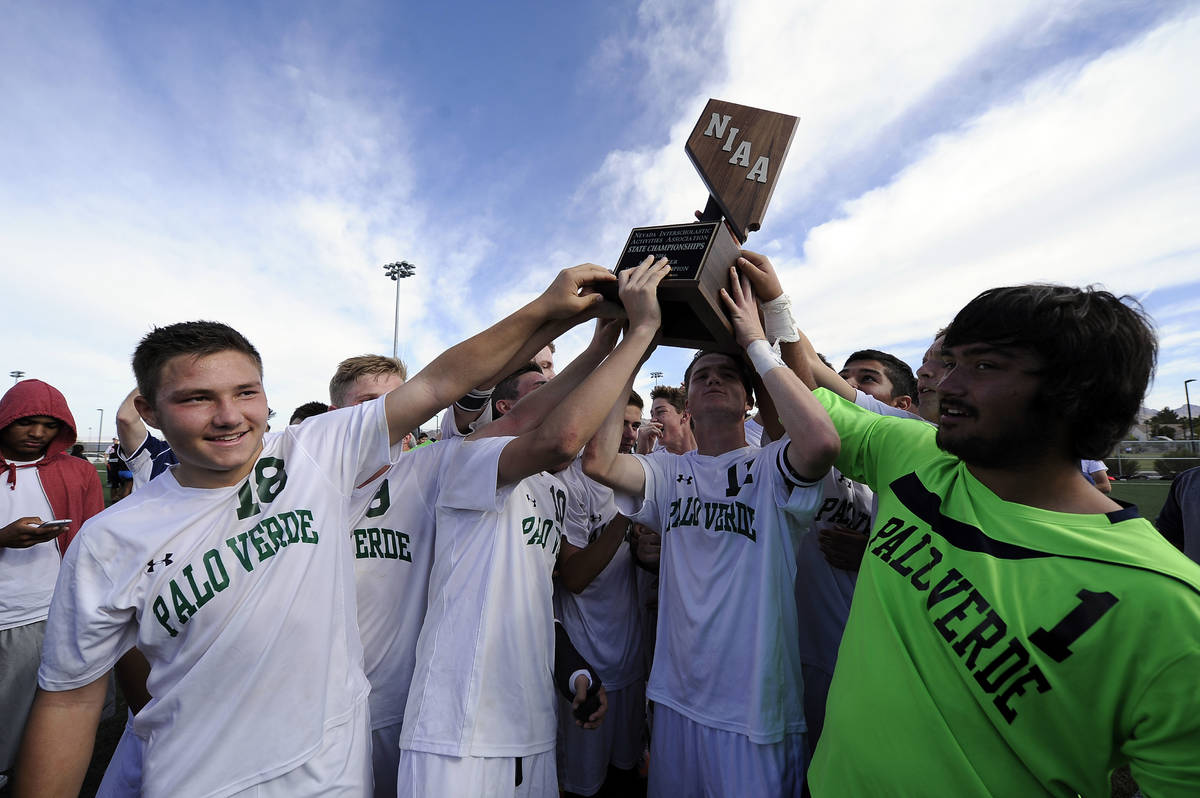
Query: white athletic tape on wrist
pixel 763 357
pixel 778 323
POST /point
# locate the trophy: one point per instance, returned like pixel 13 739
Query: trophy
pixel 738 152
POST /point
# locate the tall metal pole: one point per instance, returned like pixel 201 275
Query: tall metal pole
pixel 397 271
pixel 1187 401
pixel 100 430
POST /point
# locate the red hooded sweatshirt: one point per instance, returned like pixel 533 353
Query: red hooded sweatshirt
pixel 72 486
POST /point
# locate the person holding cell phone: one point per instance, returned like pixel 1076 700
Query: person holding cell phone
pixel 45 495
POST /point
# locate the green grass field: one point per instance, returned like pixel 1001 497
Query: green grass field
pixel 1148 495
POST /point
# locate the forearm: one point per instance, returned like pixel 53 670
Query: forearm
pixel 600 454
pixel 802 358
pixel 57 745
pixel 815 442
pixel 131 430
pixel 537 405
pixel 578 571
pixel 459 369
pixel 575 421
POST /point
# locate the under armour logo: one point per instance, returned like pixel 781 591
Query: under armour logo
pixel 682 478
pixel 532 500
pixel 166 560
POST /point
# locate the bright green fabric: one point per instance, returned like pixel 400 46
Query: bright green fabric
pixel 942 688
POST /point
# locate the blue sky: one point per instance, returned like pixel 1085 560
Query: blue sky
pixel 257 163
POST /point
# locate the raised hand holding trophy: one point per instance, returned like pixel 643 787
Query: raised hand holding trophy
pixel 738 152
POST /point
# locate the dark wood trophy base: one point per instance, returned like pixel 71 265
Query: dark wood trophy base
pixel 700 255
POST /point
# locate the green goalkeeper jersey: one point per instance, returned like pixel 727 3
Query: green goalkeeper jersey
pixel 997 649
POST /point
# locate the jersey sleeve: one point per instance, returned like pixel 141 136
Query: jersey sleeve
pixel 1165 735
pixel 646 509
pixel 85 632
pixel 797 496
pixel 350 444
pixel 868 402
pixel 473 475
pixel 876 449
pixel 1170 519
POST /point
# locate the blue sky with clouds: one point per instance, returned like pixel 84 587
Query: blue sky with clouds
pixel 257 163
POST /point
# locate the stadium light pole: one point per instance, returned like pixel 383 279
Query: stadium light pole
pixel 1187 402
pixel 16 375
pixel 100 430
pixel 398 271
pixel 656 375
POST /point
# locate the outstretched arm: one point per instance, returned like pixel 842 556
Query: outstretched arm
pixel 815 443
pixel 602 460
pixel 569 426
pixel 469 363
pixel 58 741
pixel 577 567
pixel 131 431
pixel 529 412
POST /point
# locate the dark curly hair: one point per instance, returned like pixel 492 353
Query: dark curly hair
pixel 1099 352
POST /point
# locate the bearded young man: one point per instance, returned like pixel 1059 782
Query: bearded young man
pixel 999 641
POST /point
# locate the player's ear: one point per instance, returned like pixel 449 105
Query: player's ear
pixel 146 411
pixel 502 407
pixel 902 402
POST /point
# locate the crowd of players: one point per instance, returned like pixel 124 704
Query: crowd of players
pixel 789 579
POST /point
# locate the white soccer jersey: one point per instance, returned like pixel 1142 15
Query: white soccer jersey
pixel 483 684
pixel 603 620
pixel 392 541
pixel 242 600
pixel 824 593
pixel 726 655
pixel 27 575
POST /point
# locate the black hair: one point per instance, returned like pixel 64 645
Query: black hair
pixel 195 338
pixel 899 373
pixel 507 387
pixel 308 410
pixel 1098 352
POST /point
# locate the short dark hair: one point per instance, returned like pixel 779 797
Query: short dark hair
pixel 195 338
pixel 677 397
pixel 507 387
pixel 635 399
pixel 899 373
pixel 308 410
pixel 743 369
pixel 1099 351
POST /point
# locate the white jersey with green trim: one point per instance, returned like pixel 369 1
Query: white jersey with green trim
pixel 483 682
pixel 726 654
pixel 392 541
pixel 242 600
pixel 603 620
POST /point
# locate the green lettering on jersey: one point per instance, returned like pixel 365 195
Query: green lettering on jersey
pixel 212 559
pixel 184 609
pixel 275 532
pixel 163 615
pixel 242 551
pixel 380 502
pixel 261 545
pixel 307 533
pixel 291 525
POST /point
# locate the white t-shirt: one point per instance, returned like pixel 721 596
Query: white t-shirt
pixel 1092 466
pixel 727 655
pixel 26 575
pixel 824 593
pixel 754 432
pixel 603 620
pixel 392 541
pixel 242 600
pixel 483 684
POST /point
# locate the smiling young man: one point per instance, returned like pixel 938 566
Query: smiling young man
pixel 999 641
pixel 231 573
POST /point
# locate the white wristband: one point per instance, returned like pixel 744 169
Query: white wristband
pixel 763 357
pixel 778 323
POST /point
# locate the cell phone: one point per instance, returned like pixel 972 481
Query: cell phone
pixel 588 706
pixel 59 522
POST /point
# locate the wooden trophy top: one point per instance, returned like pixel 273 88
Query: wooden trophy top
pixel 738 151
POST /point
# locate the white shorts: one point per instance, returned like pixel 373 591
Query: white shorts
pixel 123 776
pixel 688 760
pixel 385 758
pixel 340 768
pixel 20 653
pixel 585 754
pixel 425 775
